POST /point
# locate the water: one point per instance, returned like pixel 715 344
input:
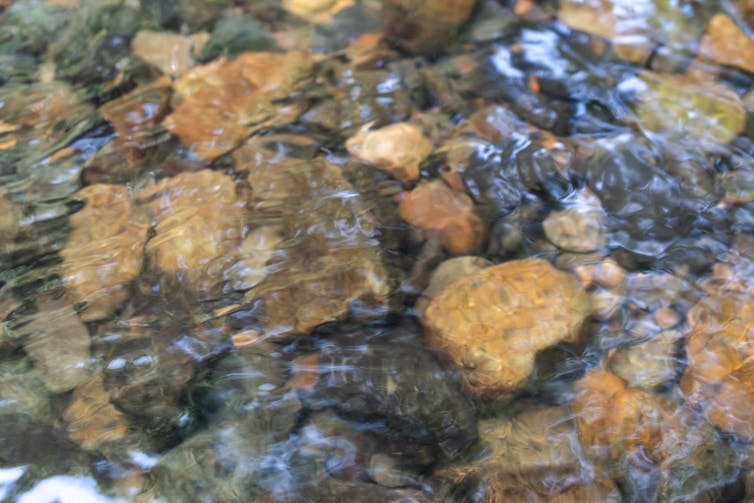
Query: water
pixel 256 251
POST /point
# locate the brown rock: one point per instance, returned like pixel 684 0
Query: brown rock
pixel 718 377
pixel 397 149
pixel 493 323
pixel 534 457
pixel 435 208
pixel 172 53
pixel 221 103
pixel 727 44
pixel 135 115
pixel 198 221
pixel 92 420
pixel 328 257
pixel 104 251
pixel 424 26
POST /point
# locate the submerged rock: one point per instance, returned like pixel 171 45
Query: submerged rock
pixel 435 208
pixel 446 273
pixel 59 346
pixel 686 107
pixel 658 449
pixel 580 227
pixel 397 149
pixel 219 104
pixel 719 348
pixel 532 457
pixel 493 323
pixel 424 26
pixel 651 363
pixel 198 221
pixel 104 251
pixel 387 375
pixel 172 53
pixel 147 365
pixel 329 256
pixel 92 421
pixel 135 118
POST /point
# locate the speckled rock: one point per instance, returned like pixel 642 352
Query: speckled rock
pixel 494 322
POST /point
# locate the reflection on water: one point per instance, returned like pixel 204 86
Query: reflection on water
pixel 365 250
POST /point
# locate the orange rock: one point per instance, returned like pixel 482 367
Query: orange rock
pixel 198 221
pixel 494 322
pixel 397 149
pixel 720 368
pixel 221 103
pixel 614 419
pixel 727 44
pixel 104 251
pixel 433 207
pixel 92 420
pixel 424 26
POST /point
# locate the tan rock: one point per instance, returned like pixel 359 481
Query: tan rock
pixel 105 250
pixel 221 103
pixel 318 11
pixel 424 26
pixel 720 352
pixel 172 53
pixel 726 43
pixel 435 208
pixel 397 149
pixel 651 363
pixel 495 322
pixel 92 421
pixel 198 222
pixel 580 227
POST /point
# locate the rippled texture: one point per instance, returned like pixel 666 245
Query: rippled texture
pixel 376 251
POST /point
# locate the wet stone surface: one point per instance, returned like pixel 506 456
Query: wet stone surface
pixel 376 250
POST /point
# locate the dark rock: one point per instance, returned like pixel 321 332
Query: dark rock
pixel 387 374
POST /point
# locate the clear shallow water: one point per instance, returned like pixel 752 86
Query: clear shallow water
pixel 217 285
